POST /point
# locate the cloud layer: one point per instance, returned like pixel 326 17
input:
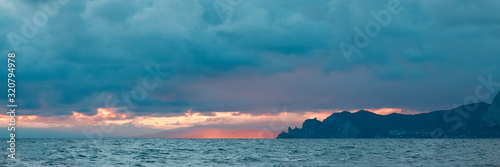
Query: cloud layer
pixel 230 55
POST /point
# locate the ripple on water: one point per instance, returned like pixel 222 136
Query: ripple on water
pixel 219 152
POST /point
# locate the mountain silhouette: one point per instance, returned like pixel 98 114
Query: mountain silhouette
pixel 477 120
pixel 492 116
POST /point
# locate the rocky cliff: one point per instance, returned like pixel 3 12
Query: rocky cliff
pixel 479 120
pixel 492 116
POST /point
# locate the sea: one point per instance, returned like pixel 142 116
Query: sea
pixel 254 152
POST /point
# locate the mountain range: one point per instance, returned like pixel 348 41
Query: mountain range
pixel 477 120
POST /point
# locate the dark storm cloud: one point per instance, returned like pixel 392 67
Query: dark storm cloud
pixel 228 55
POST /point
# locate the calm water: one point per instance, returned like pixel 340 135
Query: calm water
pixel 254 152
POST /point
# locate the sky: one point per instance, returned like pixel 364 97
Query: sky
pixel 241 69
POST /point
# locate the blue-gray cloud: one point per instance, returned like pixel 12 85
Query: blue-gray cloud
pixel 227 55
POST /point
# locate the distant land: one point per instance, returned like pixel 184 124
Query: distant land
pixel 477 120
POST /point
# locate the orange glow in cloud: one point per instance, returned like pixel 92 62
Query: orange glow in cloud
pixel 387 111
pixel 106 116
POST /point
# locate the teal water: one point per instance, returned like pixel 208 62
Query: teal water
pixel 254 152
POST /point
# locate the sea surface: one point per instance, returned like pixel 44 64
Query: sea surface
pixel 254 152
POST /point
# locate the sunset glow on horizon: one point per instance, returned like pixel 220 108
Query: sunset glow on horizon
pixel 271 124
